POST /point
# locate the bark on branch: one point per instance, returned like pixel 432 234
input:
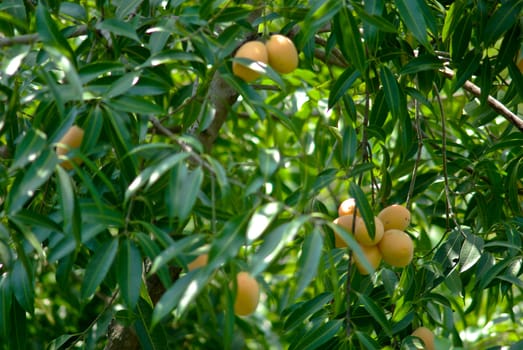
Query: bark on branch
pixel 492 102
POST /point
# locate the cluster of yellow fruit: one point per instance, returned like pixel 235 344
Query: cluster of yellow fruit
pixel 72 139
pixel 278 52
pixel 390 243
pixel 247 288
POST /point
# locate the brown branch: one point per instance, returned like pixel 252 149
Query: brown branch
pixel 492 102
pixel 32 38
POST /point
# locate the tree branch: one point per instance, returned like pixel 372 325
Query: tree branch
pixel 492 102
pixel 32 38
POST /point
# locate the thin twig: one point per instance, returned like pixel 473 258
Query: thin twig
pixel 449 211
pixel 419 136
pixel 32 38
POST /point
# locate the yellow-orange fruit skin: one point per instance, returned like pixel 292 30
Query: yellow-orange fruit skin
pixel 347 207
pixel 427 336
pixel 395 217
pixel 200 261
pixel 397 248
pixel 254 50
pixel 373 255
pixel 344 221
pixel 247 294
pixel 361 234
pixel 72 139
pixel 283 56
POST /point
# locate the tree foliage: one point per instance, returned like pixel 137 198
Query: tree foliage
pixel 406 101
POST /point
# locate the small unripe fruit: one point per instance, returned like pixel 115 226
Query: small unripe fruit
pixel 397 248
pixel 395 217
pixel 247 294
pixel 200 261
pixel 72 139
pixel 283 56
pixel 373 255
pixel 347 207
pixel 254 50
pixel 360 229
pixel 426 336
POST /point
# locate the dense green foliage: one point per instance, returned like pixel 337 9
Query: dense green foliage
pixel 378 110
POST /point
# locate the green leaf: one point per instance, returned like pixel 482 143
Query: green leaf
pixel 422 63
pixel 349 39
pixel 126 7
pixel 261 219
pixel 101 213
pixel 28 149
pixel 150 338
pixel 129 272
pixel 349 145
pixel 135 104
pixel 367 341
pixel 68 202
pixel 187 183
pixel 393 95
pixel 411 13
pixel 59 342
pixel 306 310
pixel 376 312
pixel 6 299
pixel 227 242
pixel 364 208
pixel 118 27
pixel 18 337
pixel 309 261
pixel 504 18
pixel 342 84
pixel 471 251
pixel 320 13
pixel 274 242
pixel 98 267
pixel 123 84
pixel 22 285
pixel 176 250
pixel 27 183
pixel 153 173
pixel 67 245
pixel 269 159
pixel 181 294
pixel 96 70
pixel 49 32
pixel 317 336
pixel 374 19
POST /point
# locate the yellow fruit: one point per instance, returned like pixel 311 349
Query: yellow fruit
pixel 71 140
pixel 373 255
pixel 347 207
pixel 360 230
pixel 520 65
pixel 254 50
pixel 247 294
pixel 362 234
pixel 397 248
pixel 426 336
pixel 200 261
pixel 344 221
pixel 395 217
pixel 283 56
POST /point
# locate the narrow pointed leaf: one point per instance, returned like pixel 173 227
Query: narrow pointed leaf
pixel 98 267
pixel 129 267
pixel 22 286
pixel 309 261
